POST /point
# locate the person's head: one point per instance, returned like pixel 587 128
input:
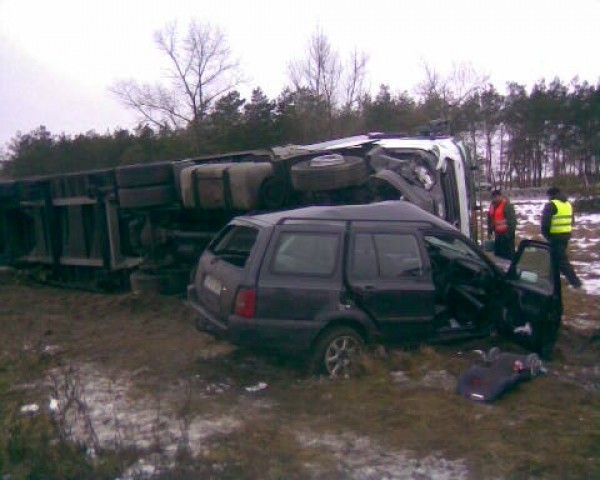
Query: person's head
pixel 496 196
pixel 553 192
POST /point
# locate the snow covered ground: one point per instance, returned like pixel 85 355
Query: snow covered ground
pixel 584 249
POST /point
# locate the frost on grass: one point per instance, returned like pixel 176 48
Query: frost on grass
pixel 95 409
pixel 359 458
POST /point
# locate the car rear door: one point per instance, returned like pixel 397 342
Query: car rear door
pixel 532 299
pixel 301 276
pixel 390 278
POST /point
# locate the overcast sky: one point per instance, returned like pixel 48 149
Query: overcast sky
pixel 58 57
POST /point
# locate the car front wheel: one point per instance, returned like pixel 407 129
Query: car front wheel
pixel 337 352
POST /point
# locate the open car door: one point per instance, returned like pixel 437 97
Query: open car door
pixel 532 298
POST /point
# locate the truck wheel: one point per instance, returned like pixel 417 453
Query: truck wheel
pixel 337 352
pixel 273 194
pixel 145 174
pixel 328 172
pixel 147 196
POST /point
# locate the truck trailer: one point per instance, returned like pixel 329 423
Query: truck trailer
pixel 144 226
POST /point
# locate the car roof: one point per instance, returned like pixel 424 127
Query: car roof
pixel 391 211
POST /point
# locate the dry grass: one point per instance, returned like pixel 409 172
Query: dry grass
pixel 547 428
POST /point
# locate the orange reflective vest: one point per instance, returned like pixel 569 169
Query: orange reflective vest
pixel 496 213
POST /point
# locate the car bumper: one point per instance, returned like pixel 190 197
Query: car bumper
pixel 284 335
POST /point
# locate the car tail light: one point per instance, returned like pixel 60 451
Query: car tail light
pixel 245 303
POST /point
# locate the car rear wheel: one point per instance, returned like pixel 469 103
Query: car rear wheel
pixel 337 352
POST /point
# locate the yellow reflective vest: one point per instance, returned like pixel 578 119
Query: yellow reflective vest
pixel 562 220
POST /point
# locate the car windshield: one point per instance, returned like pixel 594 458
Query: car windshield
pixel 451 245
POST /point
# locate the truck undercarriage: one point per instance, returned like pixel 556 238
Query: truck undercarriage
pixel 143 226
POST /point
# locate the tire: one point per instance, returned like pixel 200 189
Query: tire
pixel 144 174
pixel 273 194
pixel 147 196
pixel 349 171
pixel 337 352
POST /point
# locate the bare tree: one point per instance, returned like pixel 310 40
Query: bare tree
pixel 354 79
pixel 201 69
pixel 321 69
pixel 323 73
pixel 453 90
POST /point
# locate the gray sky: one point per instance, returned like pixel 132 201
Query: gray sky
pixel 57 58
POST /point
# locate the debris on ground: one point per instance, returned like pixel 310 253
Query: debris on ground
pixel 486 383
pixel 257 388
pixel 29 409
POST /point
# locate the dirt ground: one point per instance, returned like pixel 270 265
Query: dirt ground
pixel 128 377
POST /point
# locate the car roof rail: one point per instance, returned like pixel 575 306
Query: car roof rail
pixel 284 220
pixel 382 135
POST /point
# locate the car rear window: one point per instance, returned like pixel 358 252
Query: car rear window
pixel 306 254
pixel 234 244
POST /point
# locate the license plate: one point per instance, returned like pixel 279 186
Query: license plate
pixel 212 284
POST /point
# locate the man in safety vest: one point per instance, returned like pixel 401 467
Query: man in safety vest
pixel 557 224
pixel 502 223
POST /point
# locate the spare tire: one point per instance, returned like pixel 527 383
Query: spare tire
pixel 147 196
pixel 329 172
pixel 144 174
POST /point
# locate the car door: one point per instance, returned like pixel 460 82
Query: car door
pixel 300 277
pixel 389 277
pixel 532 298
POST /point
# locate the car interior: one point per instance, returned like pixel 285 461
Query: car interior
pixel 462 280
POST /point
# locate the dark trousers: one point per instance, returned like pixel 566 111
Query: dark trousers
pixel 504 246
pixel 560 260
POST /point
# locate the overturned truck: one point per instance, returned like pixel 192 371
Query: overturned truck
pixel 143 226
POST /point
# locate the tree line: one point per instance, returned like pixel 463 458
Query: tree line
pixel 520 137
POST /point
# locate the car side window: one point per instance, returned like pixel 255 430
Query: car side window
pixel 385 255
pixel 534 268
pixel 299 253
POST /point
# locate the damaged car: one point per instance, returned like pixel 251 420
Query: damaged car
pixel 328 280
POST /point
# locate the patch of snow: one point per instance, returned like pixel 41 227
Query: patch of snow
pixel 399 377
pixel 439 379
pixel 30 408
pixel 257 388
pixel 360 458
pixel 581 322
pixel 591 286
pixel 96 410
